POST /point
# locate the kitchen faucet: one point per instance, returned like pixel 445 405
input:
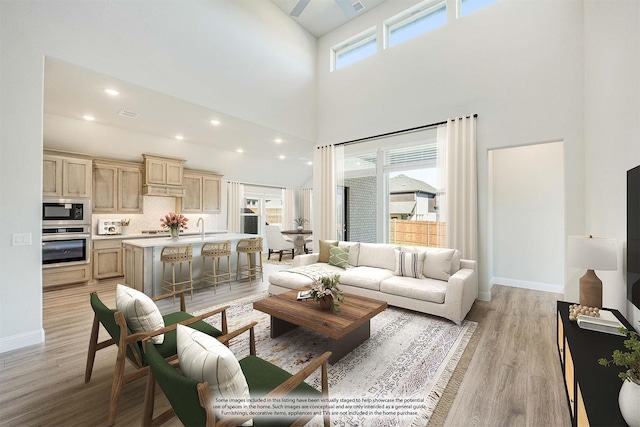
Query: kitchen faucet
pixel 202 229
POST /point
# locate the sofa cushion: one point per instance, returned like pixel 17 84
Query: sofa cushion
pixel 409 264
pixel 437 265
pixel 381 255
pixel 323 253
pixel 431 290
pixel 354 251
pixel 204 358
pixel 289 280
pixel 141 313
pixel 339 257
pixel 365 277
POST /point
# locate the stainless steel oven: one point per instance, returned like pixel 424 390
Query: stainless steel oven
pixel 65 212
pixel 65 245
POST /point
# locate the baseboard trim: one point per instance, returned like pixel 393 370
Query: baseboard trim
pixel 536 286
pixel 26 339
pixel 484 296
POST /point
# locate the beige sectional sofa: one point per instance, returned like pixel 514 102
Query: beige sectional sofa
pixel 430 280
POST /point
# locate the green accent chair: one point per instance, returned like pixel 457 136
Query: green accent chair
pixel 193 404
pixel 130 346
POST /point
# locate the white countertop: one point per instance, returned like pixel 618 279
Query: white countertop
pixel 183 240
pixel 148 236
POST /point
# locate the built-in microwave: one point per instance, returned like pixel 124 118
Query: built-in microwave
pixel 57 212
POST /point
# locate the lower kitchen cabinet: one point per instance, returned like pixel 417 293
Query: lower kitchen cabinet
pixel 107 258
pixel 66 275
pixel 592 389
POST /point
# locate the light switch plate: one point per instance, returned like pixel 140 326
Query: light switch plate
pixel 20 239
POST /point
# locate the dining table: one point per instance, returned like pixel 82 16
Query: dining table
pixel 298 238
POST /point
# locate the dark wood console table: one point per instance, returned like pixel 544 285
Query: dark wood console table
pixel 592 389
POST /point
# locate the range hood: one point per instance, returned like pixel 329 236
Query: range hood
pixel 163 176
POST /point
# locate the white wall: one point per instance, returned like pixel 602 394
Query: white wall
pixel 518 64
pixel 527 206
pixel 612 130
pixel 245 59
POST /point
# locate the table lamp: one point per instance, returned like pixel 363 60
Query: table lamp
pixel 592 253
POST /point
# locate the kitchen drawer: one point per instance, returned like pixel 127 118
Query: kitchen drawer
pixel 68 275
pixel 107 244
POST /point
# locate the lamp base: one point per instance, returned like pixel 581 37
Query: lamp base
pixel 590 290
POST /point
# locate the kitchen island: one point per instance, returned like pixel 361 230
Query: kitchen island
pixel 143 268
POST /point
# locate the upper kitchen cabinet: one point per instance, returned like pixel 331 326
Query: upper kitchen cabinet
pixel 66 177
pixel 163 176
pixel 202 193
pixel 117 187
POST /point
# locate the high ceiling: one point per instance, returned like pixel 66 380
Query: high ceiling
pixel 322 16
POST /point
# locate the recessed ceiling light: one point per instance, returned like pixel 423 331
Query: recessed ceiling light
pixel 179 137
pixel 310 163
pixel 281 156
pixel 88 118
pixel 112 92
pixel 215 122
pixel 240 150
pixel 278 140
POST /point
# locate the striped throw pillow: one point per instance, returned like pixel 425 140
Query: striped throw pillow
pixel 409 264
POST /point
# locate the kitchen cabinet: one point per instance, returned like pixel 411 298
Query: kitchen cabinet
pixel 163 176
pixel 107 258
pixel 66 275
pixel 202 193
pixel 66 177
pixel 117 187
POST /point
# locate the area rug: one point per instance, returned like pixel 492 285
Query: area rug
pixel 286 259
pixel 395 378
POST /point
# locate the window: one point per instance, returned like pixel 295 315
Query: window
pixel 469 6
pixel 353 50
pixel 419 19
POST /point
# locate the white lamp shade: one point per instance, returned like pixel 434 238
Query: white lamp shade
pixel 592 253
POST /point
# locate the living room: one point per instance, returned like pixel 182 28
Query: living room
pixel 535 72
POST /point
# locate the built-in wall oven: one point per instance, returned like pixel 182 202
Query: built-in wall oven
pixel 66 232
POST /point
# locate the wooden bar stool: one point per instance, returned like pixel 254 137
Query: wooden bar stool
pixel 177 255
pixel 251 247
pixel 215 251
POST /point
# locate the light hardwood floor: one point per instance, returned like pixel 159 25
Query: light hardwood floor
pixel 514 378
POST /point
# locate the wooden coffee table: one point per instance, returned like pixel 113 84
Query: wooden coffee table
pixel 346 330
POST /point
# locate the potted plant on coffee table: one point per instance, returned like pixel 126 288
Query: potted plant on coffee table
pixel 629 397
pixel 327 291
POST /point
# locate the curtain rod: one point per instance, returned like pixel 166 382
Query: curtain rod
pixel 353 141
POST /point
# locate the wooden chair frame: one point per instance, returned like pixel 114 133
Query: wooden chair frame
pixel 128 341
pixel 205 398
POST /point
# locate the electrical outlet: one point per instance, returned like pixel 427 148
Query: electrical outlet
pixel 20 239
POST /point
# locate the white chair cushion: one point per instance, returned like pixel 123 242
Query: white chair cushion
pixel 437 265
pixel 141 313
pixel 409 263
pixel 204 358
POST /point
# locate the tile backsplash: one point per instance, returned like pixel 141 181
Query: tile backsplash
pixel 154 208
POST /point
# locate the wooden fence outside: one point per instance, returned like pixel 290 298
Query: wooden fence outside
pixel 417 233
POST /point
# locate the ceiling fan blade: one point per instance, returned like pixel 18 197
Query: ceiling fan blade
pixel 347 8
pixel 297 10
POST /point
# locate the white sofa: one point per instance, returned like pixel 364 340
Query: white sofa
pixel 448 289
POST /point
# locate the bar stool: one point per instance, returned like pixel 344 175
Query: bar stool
pixel 251 247
pixel 177 255
pixel 215 251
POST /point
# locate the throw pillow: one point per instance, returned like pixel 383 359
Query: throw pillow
pixel 339 256
pixel 409 264
pixel 323 254
pixel 204 358
pixel 354 251
pixel 438 264
pixel 141 313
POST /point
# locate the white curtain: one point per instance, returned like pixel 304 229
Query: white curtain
pixel 461 187
pixel 289 204
pixel 235 192
pixel 324 194
pixel 306 206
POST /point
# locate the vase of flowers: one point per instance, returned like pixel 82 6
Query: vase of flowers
pixel 630 391
pixel 174 222
pixel 327 291
pixel 300 222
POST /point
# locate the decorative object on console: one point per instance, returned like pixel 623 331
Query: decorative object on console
pixel 174 222
pixel 630 392
pixel 576 309
pixel 592 253
pixel 328 292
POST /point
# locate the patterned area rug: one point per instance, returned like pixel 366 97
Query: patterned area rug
pixel 286 259
pixel 395 378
